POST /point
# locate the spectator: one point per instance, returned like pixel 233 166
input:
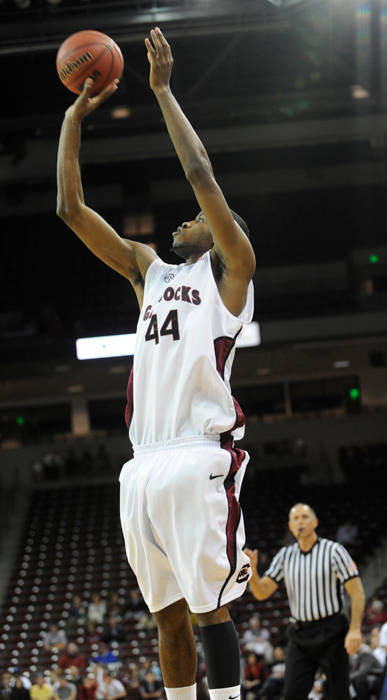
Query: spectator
pixel 24 679
pixel 257 639
pixel 53 677
pixel 97 609
pixel 375 613
pixel 274 684
pixel 55 638
pixel 6 687
pixel 131 682
pixel 65 690
pixel 151 687
pixel 110 688
pixel 74 676
pixel 132 687
pixel 71 657
pixel 136 604
pixel 253 677
pixel 377 650
pixel 146 666
pixel 346 534
pixel 19 692
pixel 92 636
pixel 146 622
pixel 114 631
pixel 156 670
pixel 134 671
pixel 115 606
pixel 365 672
pixel 88 688
pixel 78 610
pixel 105 655
pixel 41 690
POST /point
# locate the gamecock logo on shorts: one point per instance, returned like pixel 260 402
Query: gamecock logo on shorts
pixel 244 574
pixel 169 277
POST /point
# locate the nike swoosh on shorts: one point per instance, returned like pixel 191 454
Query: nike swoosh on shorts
pixel 216 476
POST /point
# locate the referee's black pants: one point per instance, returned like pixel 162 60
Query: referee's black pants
pixel 314 645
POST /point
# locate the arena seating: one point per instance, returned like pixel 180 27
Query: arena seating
pixel 72 544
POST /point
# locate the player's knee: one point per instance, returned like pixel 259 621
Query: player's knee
pixel 172 617
pixel 214 617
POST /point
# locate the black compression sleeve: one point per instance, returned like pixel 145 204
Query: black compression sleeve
pixel 222 655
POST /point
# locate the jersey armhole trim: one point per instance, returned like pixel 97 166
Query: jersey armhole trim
pixel 250 291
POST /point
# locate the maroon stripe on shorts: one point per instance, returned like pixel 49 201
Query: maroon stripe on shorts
pixel 234 509
pixel 223 346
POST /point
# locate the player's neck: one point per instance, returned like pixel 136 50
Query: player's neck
pixel 306 543
pixel 192 259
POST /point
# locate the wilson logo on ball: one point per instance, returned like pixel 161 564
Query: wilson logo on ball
pixel 89 54
pixel 68 69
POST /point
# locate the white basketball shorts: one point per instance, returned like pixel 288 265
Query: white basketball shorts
pixel 182 523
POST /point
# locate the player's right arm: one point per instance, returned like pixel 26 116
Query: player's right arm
pixel 130 258
pixel 261 588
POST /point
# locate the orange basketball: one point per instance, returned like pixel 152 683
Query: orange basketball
pixel 89 54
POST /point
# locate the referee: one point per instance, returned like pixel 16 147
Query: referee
pixel 315 571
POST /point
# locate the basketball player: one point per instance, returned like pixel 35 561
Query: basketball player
pixel 180 513
pixel 315 571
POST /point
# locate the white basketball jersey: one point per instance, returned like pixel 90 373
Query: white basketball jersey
pixel 185 346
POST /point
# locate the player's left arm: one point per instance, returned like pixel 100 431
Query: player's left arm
pixel 354 588
pixel 232 249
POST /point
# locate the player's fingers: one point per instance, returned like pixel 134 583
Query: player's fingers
pixel 83 99
pixel 160 36
pixel 87 85
pixel 84 95
pixel 107 91
pixel 162 41
pixel 162 47
pixel 150 47
pixel 156 42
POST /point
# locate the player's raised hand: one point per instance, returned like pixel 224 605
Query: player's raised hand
pixel 84 104
pixel 160 59
pixel 253 556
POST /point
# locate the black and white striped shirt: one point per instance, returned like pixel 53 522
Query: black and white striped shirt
pixel 314 580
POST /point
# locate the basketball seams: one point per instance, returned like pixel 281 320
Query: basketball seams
pixel 119 54
pixel 110 69
pixel 81 48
